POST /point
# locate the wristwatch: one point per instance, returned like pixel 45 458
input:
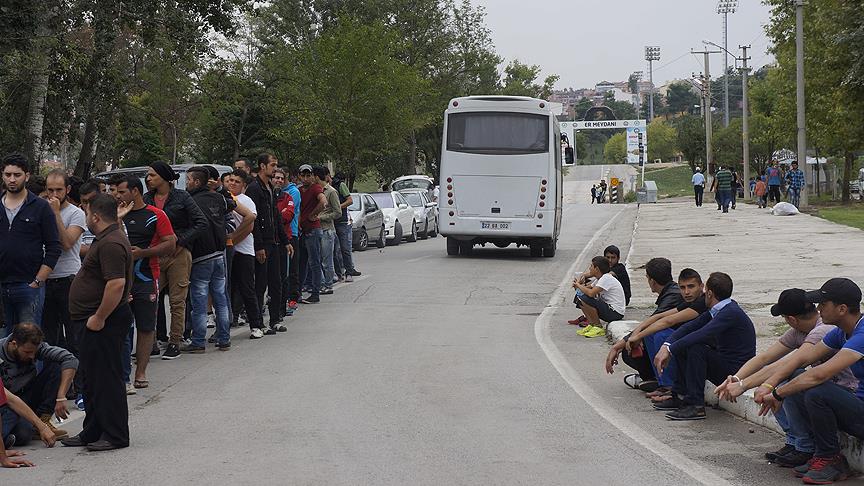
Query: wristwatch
pixel 39 283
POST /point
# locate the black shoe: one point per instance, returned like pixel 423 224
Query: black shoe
pixel 786 449
pixel 103 445
pixel 793 459
pixel 279 328
pixel 269 331
pixel 353 273
pixel 688 412
pixel 312 299
pixel 192 349
pixel 649 386
pixel 73 442
pixel 171 352
pixel 669 404
pixel 223 346
pixel 155 351
pixel 326 292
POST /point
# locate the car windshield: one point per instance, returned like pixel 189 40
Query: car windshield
pixel 411 184
pixel 384 199
pixel 414 199
pixel 498 133
pixel 355 203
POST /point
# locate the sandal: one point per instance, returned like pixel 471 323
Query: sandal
pixel 662 391
pixel 141 384
pixel 661 398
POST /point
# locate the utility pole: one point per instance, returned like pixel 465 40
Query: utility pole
pixel 745 121
pixel 652 53
pixel 799 95
pixel 707 96
pixel 725 7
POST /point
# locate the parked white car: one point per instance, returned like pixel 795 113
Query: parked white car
pixel 425 211
pixel 417 181
pixel 399 219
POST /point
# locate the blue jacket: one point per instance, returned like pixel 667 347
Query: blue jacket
pixel 731 332
pixel 292 191
pixel 32 241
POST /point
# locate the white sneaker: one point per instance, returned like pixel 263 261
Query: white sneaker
pixel 256 334
pixel 349 278
pixel 130 390
pixel 211 321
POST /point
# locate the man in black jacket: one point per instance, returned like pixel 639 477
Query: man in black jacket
pixel 613 254
pixel 268 233
pixel 189 223
pixel 27 226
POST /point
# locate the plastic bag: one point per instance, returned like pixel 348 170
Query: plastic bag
pixel 784 209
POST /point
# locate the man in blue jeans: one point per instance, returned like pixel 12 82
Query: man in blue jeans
pixel 313 202
pixel 829 407
pixel 27 225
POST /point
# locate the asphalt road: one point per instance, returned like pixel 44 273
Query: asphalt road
pixel 426 370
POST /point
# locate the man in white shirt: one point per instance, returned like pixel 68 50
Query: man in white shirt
pixel 698 186
pixel 602 301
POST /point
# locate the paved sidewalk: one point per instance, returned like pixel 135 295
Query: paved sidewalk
pixel 764 254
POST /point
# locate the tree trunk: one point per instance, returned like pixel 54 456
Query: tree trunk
pixel 85 159
pixel 38 94
pixel 411 167
pixel 818 189
pixel 847 176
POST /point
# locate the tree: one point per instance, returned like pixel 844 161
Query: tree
pixel 662 140
pixel 615 150
pixel 691 139
pixel 520 80
pixel 680 98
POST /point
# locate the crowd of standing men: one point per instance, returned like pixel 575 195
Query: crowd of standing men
pixel 85 268
pixel 767 186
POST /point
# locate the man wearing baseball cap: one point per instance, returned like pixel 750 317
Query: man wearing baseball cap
pixel 798 343
pixel 828 406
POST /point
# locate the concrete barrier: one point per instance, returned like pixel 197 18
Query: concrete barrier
pixel 746 408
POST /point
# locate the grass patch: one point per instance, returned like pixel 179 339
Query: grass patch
pixel 671 181
pixel 850 215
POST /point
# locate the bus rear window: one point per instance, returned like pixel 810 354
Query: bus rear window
pixel 498 133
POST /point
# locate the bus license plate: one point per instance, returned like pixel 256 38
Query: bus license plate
pixel 494 225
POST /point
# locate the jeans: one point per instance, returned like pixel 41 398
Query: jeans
pixel 343 253
pixel 310 259
pixel 209 276
pixel 697 191
pixel 328 239
pixel 831 408
pixel 22 303
pixel 725 198
pixel 793 418
pixel 795 196
pixel 652 346
pixel 56 323
pixel 696 364
pixel 39 394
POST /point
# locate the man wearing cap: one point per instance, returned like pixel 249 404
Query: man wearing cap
pixel 189 223
pixel 698 186
pixel 807 331
pixel 828 406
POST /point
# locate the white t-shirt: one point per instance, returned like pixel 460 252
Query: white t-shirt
pixel 613 293
pixel 246 246
pixel 70 260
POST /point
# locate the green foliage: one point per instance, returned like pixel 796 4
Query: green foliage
pixel 662 140
pixel 520 80
pixel 671 182
pixel 691 140
pixel 615 151
pixel 680 98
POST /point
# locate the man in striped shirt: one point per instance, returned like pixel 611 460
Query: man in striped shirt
pixel 724 180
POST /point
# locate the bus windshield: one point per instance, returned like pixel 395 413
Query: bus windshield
pixel 498 133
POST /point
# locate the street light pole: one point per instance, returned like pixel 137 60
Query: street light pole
pixel 745 121
pixel 652 53
pixel 726 7
pixel 799 94
pixel 709 129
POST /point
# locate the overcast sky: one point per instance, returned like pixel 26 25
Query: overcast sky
pixel 586 42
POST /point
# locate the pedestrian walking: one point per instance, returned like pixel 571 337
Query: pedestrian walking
pixel 772 173
pixel 761 193
pixel 593 193
pixel 29 245
pixel 724 179
pixel 98 299
pixel 795 182
pixel 698 181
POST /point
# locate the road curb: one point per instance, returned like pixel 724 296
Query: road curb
pixel 746 408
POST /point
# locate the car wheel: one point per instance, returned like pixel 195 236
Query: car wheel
pixel 362 240
pixel 425 234
pixel 382 241
pixel 452 246
pixel 413 236
pixel 397 235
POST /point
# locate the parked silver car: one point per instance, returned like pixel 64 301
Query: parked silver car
pixel 367 221
pixel 425 211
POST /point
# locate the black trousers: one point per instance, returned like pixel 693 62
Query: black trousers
pixel 283 273
pixel 642 365
pixel 698 190
pixel 267 279
pixel 107 415
pixel 696 364
pixel 774 193
pixel 56 323
pixel 243 289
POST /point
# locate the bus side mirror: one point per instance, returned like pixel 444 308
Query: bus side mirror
pixel 568 156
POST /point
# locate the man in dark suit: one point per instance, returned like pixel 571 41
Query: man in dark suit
pixel 712 346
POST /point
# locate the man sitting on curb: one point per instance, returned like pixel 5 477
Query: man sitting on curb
pixel 807 331
pixel 712 346
pixel 604 300
pixel 659 274
pixel 43 391
pixel 827 406
pixel 652 333
pixel 11 408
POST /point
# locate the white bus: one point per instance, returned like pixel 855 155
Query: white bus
pixel 501 174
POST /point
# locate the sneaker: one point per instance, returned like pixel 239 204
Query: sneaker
pixel 279 328
pixel 633 380
pixel 827 470
pixel 292 304
pixel 649 386
pixel 786 449
pixel 269 331
pixel 353 273
pixel 348 278
pixel 581 321
pixel 596 331
pixel 312 299
pixel 190 349
pixel 326 291
pixel 289 312
pixel 58 433
pixel 211 321
pixel 155 351
pixel 79 402
pixel 584 330
pixel 673 403
pixel 212 339
pixel 223 346
pixel 689 412
pixel 793 459
pixel 257 333
pixel 130 390
pixel 171 352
